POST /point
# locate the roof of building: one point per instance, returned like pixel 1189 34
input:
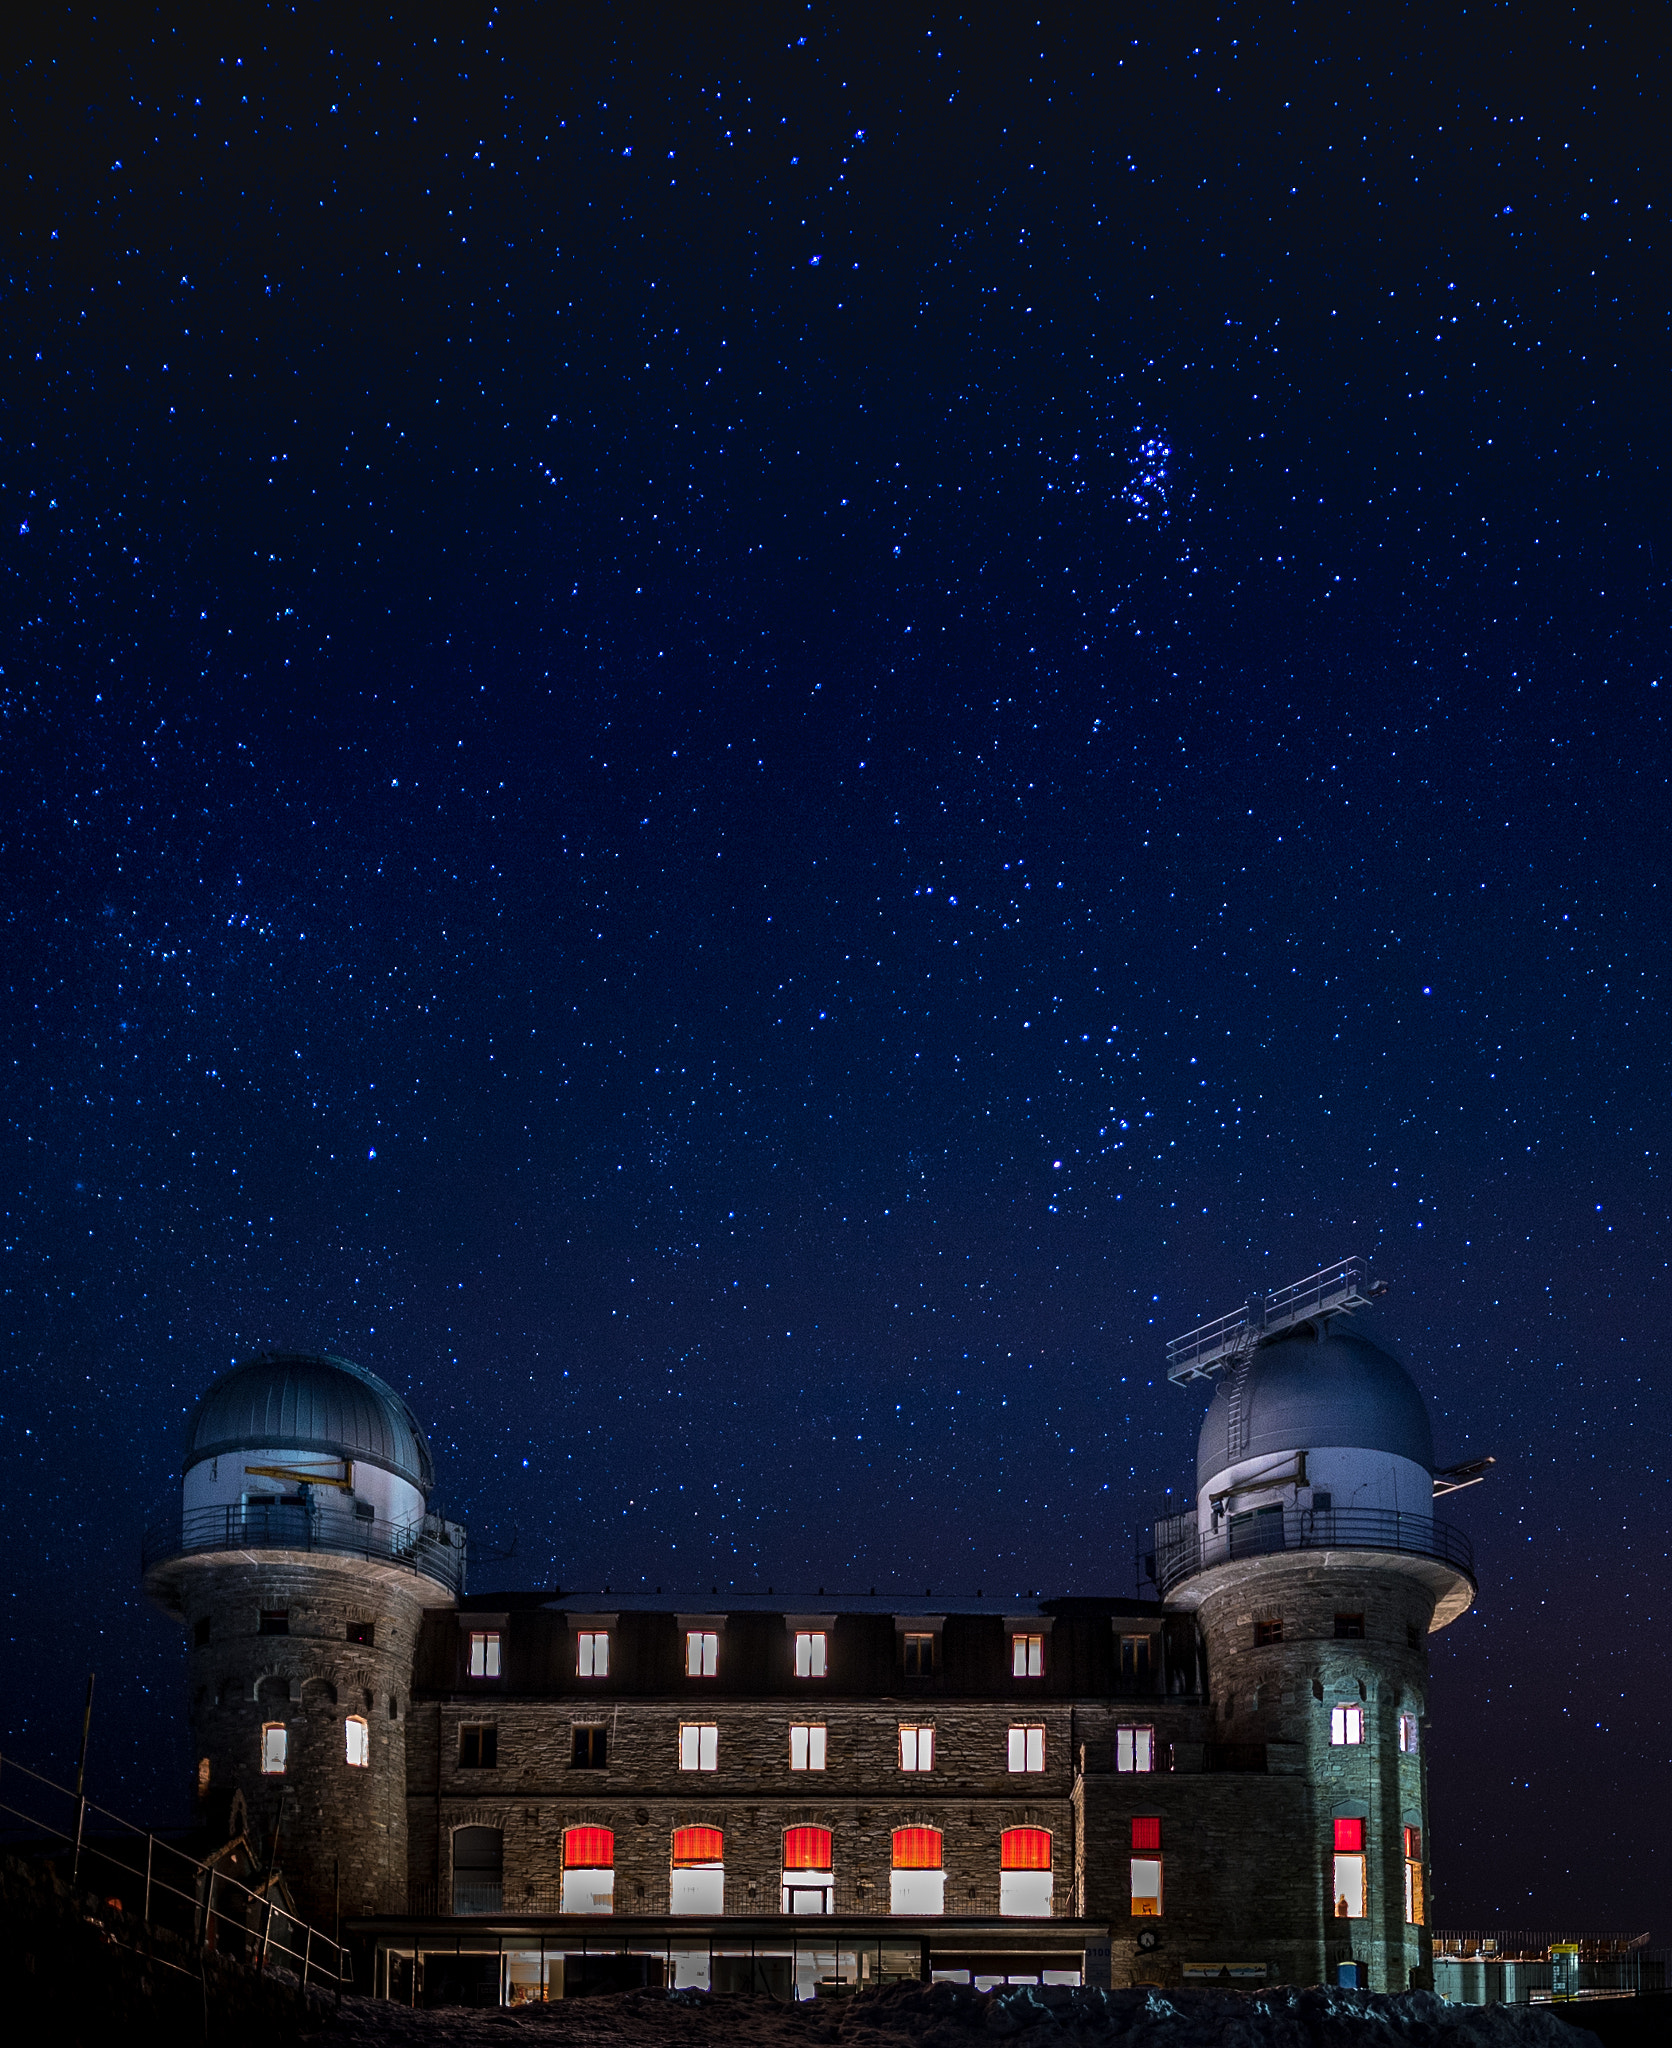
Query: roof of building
pixel 1318 1386
pixel 306 1401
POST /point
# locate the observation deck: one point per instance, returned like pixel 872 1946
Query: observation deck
pixel 431 1549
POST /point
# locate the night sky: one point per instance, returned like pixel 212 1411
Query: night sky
pixel 747 743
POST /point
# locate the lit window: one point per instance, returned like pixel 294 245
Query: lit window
pixel 1027 1656
pixel 702 1653
pixel 1414 1902
pixel 699 1746
pixel 592 1653
pixel 1408 1734
pixel 1025 1874
pixel 589 1747
pixel 809 1880
pixel 1349 1870
pixel 917 1749
pixel 589 1870
pixel 1134 1749
pixel 358 1738
pixel 484 1653
pixel 1135 1658
pixel 918 1881
pixel 1027 1749
pixel 919 1655
pixel 699 1871
pixel 810 1654
pixel 478 1746
pixel 274 1743
pixel 1268 1631
pixel 807 1746
pixel 1349 1628
pixel 1346 1725
pixel 1146 1867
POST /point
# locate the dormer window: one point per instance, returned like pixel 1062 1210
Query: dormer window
pixel 919 1652
pixel 702 1653
pixel 811 1653
pixel 484 1653
pixel 592 1653
pixel 1027 1656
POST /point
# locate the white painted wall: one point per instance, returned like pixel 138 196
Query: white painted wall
pixel 224 1482
pixel 1352 1479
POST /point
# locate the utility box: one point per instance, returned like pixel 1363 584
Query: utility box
pixel 1564 1969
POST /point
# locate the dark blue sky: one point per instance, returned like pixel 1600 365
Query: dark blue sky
pixel 747 746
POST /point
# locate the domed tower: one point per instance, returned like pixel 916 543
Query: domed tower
pixel 1318 1570
pixel 300 1560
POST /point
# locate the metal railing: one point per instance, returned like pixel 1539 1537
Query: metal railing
pixel 1183 1554
pixel 542 1899
pixel 1521 1944
pixel 432 1547
pixel 1334 1290
pixel 173 1889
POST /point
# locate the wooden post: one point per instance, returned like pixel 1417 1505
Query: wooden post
pixel 81 1781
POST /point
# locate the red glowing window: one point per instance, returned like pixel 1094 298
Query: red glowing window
pixel 807 1849
pixel 1146 1833
pixel 698 1845
pixel 589 1849
pixel 1349 1838
pixel 917 1849
pixel 1413 1845
pixel 1025 1849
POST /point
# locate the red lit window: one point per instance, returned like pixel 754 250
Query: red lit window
pixel 1349 1838
pixel 917 1849
pixel 1146 1834
pixel 807 1849
pixel 1413 1844
pixel 1025 1849
pixel 589 1849
pixel 698 1845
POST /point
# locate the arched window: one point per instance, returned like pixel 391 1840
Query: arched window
pixel 809 1882
pixel 588 1870
pixel 478 1870
pixel 699 1871
pixel 1025 1873
pixel 918 1881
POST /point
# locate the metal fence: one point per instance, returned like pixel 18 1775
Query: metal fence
pixel 1183 1552
pixel 430 1546
pixel 850 1898
pixel 174 1889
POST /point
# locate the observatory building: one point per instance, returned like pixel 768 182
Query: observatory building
pixel 537 1795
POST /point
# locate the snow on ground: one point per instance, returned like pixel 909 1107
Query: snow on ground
pixel 949 2016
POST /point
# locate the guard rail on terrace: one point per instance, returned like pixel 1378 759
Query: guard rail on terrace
pixel 433 1547
pixel 1183 1553
pixel 850 1898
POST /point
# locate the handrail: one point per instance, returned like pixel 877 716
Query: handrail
pixel 421 1546
pixel 213 1896
pixel 1185 1553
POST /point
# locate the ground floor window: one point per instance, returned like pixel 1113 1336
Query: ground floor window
pixel 1025 1873
pixel 917 1883
pixel 478 1870
pixel 809 1876
pixel 588 1870
pixel 1348 1880
pixel 699 1871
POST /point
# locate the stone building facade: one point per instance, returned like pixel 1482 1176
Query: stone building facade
pixel 534 1794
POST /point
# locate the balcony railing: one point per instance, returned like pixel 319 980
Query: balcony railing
pixel 853 1899
pixel 433 1547
pixel 1182 1554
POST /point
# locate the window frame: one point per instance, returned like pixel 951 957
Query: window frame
pixel 1025 1748
pixel 362 1762
pixel 588 1642
pixel 485 1654
pixel 918 1652
pixel 1135 1735
pixel 1349 1861
pixel 1346 1725
pixel 483 1737
pixel 815 1736
pixel 1130 1642
pixel 702 1653
pixel 1349 1628
pixel 1027 1654
pixel 598 1738
pixel 1408 1735
pixel 812 1653
pixel 920 1735
pixel 274 1757
pixel 699 1739
pixel 1267 1631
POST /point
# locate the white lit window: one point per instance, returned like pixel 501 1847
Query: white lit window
pixel 699 1746
pixel 1146 1887
pixel 592 1653
pixel 1027 1656
pixel 1134 1749
pixel 810 1654
pixel 807 1746
pixel 359 1741
pixel 1346 1725
pixel 917 1749
pixel 1027 1749
pixel 1349 1887
pixel 1408 1734
pixel 702 1653
pixel 484 1653
pixel 274 1743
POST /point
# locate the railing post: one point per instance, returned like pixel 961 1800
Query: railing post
pixel 307 1957
pixel 150 1851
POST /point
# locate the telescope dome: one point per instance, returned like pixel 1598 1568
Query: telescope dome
pixel 310 1402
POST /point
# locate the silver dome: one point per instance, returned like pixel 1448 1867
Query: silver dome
pixel 1315 1387
pixel 290 1401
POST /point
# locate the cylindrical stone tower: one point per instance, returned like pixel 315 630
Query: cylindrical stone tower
pixel 1318 1571
pixel 300 1561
